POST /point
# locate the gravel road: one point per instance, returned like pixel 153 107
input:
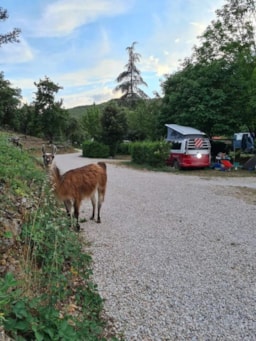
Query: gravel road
pixel 175 255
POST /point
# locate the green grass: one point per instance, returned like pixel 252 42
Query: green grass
pixel 49 294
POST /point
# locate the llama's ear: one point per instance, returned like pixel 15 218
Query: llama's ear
pixel 54 149
pixel 43 149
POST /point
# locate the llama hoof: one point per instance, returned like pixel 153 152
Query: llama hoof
pixel 98 221
pixel 78 227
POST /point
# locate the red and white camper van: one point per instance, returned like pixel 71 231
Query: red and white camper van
pixel 190 147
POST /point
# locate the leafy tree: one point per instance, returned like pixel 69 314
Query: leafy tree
pixel 26 120
pixel 91 124
pixel 9 103
pixel 131 78
pixel 114 127
pixel 232 34
pixel 142 120
pixel 9 97
pixel 9 37
pixel 232 37
pixel 215 89
pixel 51 118
pixel 202 96
pixel 73 131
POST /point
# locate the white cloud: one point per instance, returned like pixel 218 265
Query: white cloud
pixel 88 97
pixel 16 53
pixel 64 16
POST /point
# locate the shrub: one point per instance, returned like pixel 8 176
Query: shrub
pixel 151 153
pixel 124 148
pixel 95 149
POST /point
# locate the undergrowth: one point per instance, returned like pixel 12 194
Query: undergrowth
pixel 51 296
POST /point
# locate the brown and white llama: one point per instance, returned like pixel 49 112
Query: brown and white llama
pixel 80 183
pixel 48 157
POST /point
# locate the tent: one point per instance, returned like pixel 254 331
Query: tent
pixel 250 164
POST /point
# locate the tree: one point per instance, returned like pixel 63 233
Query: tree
pixel 202 96
pixel 215 89
pixel 51 118
pixel 10 37
pixel 230 35
pixel 9 103
pixel 114 127
pixel 91 124
pixel 141 126
pixel 130 79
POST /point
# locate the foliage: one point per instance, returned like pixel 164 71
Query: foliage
pixel 204 97
pixel 230 35
pixel 124 148
pixel 143 120
pixel 130 79
pixel 95 149
pixel 50 117
pixel 9 102
pixel 91 124
pixel 152 153
pixel 114 127
pixel 50 296
pixel 215 89
pixel 12 36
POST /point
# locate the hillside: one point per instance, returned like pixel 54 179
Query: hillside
pixel 78 111
pixel 45 276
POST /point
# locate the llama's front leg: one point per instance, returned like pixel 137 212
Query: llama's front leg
pixel 93 200
pixel 76 214
pixel 68 206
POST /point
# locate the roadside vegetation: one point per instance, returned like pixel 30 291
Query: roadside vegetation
pixel 46 291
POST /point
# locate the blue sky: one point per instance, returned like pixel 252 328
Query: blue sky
pixel 81 44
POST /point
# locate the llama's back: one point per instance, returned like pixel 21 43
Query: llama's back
pixel 79 183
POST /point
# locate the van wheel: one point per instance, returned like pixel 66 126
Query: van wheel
pixel 176 165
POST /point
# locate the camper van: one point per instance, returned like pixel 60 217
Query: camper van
pixel 190 148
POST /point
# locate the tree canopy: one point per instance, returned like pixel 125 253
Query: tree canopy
pixel 130 79
pixel 50 117
pixel 215 89
pixel 9 37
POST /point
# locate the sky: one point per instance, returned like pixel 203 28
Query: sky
pixel 81 45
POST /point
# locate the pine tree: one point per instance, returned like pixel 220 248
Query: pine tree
pixel 131 77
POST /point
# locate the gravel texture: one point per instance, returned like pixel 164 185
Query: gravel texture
pixel 175 255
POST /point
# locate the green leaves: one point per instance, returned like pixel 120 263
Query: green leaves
pixel 130 79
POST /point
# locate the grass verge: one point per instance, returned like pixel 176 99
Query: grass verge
pixel 46 291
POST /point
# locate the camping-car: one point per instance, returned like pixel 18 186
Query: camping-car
pixel 190 147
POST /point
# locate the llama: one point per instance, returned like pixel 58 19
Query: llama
pixel 80 183
pixel 48 157
pixel 16 141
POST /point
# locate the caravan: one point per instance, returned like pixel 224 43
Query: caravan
pixel 190 148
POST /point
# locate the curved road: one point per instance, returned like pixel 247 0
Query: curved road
pixel 174 256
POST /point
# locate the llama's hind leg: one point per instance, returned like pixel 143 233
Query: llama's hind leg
pixel 100 201
pixel 93 201
pixel 68 205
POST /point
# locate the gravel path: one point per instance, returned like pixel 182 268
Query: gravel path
pixel 175 255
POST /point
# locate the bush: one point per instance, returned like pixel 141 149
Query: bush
pixel 124 148
pixel 95 149
pixel 152 153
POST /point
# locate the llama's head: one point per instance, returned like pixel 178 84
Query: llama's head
pixel 48 157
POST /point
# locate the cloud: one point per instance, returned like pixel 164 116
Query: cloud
pixel 16 53
pixel 87 97
pixel 63 16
